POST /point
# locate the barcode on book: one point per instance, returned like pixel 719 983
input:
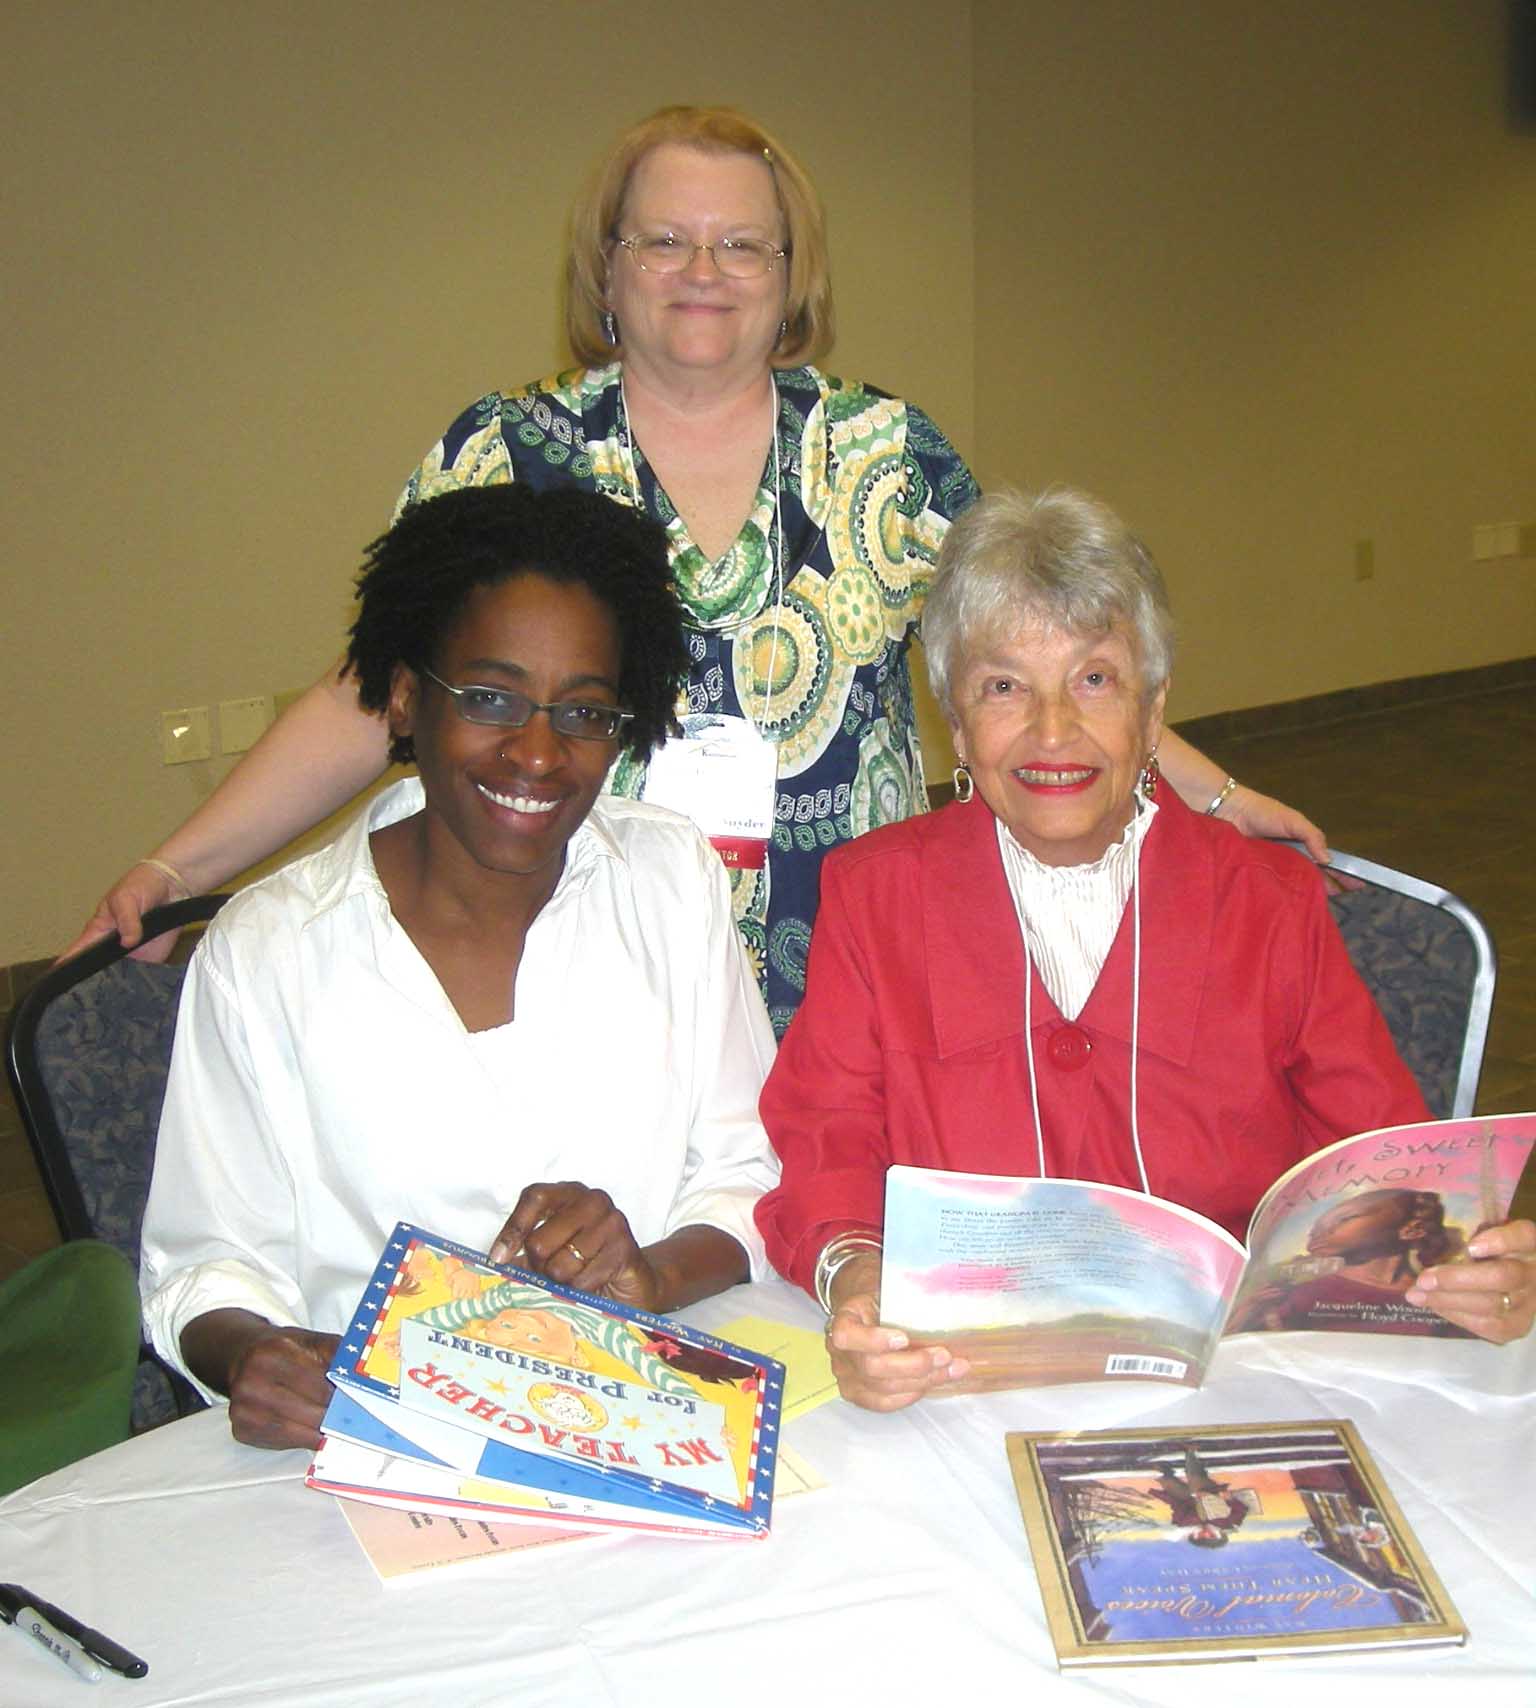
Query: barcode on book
pixel 1130 1364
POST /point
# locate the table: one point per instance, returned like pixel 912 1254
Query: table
pixel 906 1580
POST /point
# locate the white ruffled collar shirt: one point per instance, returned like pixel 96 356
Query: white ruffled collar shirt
pixel 1069 914
pixel 323 1086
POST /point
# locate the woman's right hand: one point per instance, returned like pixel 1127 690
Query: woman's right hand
pixel 274 1376
pixel 876 1367
pixel 122 910
pixel 278 1392
pixel 318 754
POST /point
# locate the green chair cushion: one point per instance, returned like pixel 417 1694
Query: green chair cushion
pixel 69 1344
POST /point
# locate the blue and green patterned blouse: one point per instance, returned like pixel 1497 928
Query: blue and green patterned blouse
pixel 867 486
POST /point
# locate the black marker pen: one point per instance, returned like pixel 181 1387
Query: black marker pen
pixel 77 1645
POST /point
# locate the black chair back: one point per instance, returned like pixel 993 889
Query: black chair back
pixel 87 1054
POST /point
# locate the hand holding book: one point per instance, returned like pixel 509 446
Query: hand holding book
pixel 1495 1294
pixel 876 1367
pixel 467 1387
pixel 274 1375
pixel 1399 1231
pixel 575 1234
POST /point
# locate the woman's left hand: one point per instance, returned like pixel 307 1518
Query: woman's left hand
pixel 577 1236
pixel 1262 815
pixel 1495 1295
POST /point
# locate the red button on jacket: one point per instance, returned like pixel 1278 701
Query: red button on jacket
pixel 1069 1048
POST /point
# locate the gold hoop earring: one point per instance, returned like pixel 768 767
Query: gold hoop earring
pixel 965 783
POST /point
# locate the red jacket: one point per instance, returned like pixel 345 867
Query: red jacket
pixel 1258 1042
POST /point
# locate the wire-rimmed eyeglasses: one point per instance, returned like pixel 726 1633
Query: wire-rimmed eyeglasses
pixel 735 257
pixel 478 704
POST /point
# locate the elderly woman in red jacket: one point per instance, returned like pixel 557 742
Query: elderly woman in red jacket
pixel 1069 972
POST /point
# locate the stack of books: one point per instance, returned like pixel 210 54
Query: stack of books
pixel 464 1387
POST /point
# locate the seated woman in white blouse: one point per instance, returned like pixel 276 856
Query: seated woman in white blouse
pixel 494 990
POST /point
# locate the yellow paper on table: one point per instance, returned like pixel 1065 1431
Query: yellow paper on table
pixel 808 1378
pixel 794 1476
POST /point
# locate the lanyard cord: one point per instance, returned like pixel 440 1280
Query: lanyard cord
pixel 1141 1167
pixel 1029 1050
pixel 1029 1032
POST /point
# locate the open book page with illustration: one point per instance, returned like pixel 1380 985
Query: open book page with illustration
pixel 549 1402
pixel 1043 1281
pixel 1221 1543
pixel 1337 1241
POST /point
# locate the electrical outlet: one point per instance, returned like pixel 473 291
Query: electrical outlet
pixel 241 722
pixel 185 734
pixel 1495 540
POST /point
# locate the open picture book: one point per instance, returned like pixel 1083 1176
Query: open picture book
pixel 1041 1281
pixel 464 1387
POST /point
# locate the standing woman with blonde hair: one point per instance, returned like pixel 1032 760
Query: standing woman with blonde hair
pixel 803 516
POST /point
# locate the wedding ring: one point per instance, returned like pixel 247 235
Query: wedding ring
pixel 1506 1304
pixel 570 1246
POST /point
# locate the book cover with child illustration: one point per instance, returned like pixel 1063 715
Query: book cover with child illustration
pixel 461 1384
pixel 1223 1544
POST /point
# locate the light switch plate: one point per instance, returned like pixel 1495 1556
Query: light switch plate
pixel 185 734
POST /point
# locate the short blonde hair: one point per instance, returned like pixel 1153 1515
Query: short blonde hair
pixel 808 310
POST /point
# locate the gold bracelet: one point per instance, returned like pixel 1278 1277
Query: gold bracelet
pixel 1221 799
pixel 167 870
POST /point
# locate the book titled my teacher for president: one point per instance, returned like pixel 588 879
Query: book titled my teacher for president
pixel 463 1386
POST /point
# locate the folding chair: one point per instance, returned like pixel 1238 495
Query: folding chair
pixel 88 1052
pixel 1429 961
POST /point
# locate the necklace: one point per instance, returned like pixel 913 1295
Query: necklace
pixel 731 625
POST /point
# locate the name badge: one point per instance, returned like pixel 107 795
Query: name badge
pixel 723 774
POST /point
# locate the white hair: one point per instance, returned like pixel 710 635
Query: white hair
pixel 1058 558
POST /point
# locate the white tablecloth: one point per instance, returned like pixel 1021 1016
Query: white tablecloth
pixel 906 1580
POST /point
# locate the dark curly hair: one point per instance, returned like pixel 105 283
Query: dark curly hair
pixel 416 578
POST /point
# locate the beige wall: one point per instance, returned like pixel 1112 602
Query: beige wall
pixel 1261 275
pixel 268 251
